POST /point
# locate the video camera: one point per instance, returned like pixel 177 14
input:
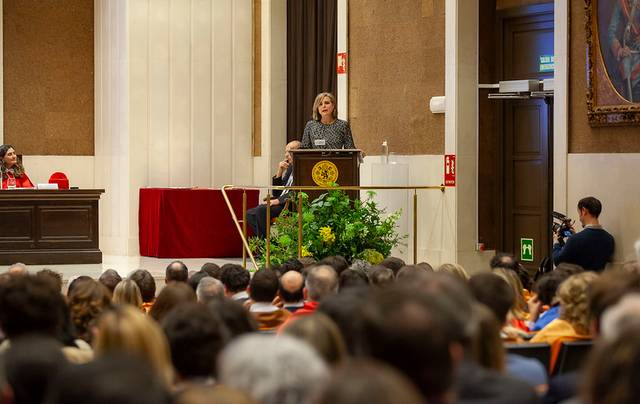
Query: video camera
pixel 562 226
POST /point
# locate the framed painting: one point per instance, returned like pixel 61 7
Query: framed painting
pixel 613 62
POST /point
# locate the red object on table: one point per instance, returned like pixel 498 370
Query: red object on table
pixel 190 223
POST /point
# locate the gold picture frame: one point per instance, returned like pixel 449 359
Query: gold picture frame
pixel 613 62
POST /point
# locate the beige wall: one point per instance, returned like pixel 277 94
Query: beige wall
pixel 174 103
pixel 582 137
pixel 396 64
pixel 48 76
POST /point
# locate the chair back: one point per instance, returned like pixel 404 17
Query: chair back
pixel 60 179
pixel 541 352
pixel 572 356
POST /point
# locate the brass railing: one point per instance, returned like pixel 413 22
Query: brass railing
pixel 241 225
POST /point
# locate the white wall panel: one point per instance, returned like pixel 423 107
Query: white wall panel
pixel 173 102
pixel 612 179
pixel 201 48
pixel 157 47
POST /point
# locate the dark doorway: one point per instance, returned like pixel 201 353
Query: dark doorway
pixel 516 138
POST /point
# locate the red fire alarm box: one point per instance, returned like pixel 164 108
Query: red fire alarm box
pixel 450 170
pixel 342 63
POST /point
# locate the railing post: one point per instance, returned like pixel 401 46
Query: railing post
pixel 268 231
pixel 299 224
pixel 415 226
pixel 244 226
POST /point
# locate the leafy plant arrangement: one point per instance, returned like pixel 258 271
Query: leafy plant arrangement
pixel 333 225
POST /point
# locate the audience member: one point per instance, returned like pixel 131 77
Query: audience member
pixel 362 266
pixel 171 296
pixel 371 382
pixel 455 270
pixel 234 316
pixel 208 395
pixel 195 279
pixel 411 331
pixel 411 274
pixel 544 306
pixel 263 289
pixel 75 281
pixel 494 292
pixel 31 364
pixel 393 263
pixel 212 269
pixel 573 322
pixel 307 262
pixel 625 314
pixel 591 248
pixel 322 334
pixel 290 291
pixel 321 281
pixel 607 291
pixel 352 278
pixel 346 311
pixel 86 302
pixel 125 330
pixel 337 262
pixel 176 271
pixel 196 336
pixel 108 380
pixel 272 370
pixel 55 277
pixel 612 370
pixel 508 261
pixel 381 276
pixel 110 278
pixel 474 384
pixel 236 280
pixel 30 305
pixel 486 345
pixel 426 266
pixel 290 265
pixel 127 292
pixel 18 269
pixel 518 314
pixel 147 285
pixel 209 288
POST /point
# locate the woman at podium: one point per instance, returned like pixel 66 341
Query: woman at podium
pixel 13 175
pixel 325 130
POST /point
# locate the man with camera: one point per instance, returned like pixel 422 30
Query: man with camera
pixel 591 248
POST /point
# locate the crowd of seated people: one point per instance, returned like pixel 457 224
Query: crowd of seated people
pixel 319 332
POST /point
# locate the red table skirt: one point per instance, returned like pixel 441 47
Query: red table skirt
pixel 190 223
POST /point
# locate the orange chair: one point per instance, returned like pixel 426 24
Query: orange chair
pixel 60 179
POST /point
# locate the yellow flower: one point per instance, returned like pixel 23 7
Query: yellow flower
pixel 327 235
pixel 305 252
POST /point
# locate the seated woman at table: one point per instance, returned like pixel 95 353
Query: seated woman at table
pixel 325 130
pixel 13 174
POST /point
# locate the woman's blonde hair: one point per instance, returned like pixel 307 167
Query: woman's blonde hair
pixel 455 270
pixel 127 292
pixel 316 104
pixel 519 306
pixel 574 300
pixel 127 330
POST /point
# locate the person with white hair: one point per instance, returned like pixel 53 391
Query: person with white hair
pixel 272 369
pixel 18 269
pixel 209 289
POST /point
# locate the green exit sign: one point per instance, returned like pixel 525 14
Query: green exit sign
pixel 526 249
pixel 547 63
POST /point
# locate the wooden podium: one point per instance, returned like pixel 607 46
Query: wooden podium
pixel 322 167
pixel 46 227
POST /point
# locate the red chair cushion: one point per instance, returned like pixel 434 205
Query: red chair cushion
pixel 60 179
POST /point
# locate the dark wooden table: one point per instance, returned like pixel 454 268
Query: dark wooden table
pixel 46 227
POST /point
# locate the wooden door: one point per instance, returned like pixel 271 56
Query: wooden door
pixel 526 35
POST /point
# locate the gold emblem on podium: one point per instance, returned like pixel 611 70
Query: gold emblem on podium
pixel 324 173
